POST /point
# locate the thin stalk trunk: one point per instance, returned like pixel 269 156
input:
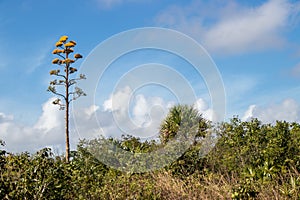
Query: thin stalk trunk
pixel 67 112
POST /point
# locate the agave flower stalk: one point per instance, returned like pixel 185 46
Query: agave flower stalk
pixel 63 51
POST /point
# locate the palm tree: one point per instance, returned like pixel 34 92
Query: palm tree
pixel 183 122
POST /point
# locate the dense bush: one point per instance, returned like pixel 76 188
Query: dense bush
pixel 250 160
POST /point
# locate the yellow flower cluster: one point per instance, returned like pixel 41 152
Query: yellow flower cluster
pixel 72 41
pixel 69 60
pixel 59 44
pixel 77 56
pixel 57 51
pixel 54 72
pixel 55 61
pixel 63 38
pixel 69 44
pixel 72 70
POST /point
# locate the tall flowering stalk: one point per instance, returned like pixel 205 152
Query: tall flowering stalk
pixel 63 50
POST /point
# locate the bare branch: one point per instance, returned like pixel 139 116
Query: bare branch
pixel 53 90
pixel 77 93
pixel 61 56
pixel 62 76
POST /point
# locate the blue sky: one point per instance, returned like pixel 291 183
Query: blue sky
pixel 254 44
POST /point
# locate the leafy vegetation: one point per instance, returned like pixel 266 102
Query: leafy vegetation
pixel 250 160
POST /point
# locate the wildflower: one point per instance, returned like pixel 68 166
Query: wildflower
pixel 54 72
pixel 77 56
pixel 63 38
pixel 69 60
pixel 72 70
pixel 58 44
pixel 55 61
pixel 73 42
pixel 57 51
pixel 69 44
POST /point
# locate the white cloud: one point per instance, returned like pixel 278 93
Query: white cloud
pixel 51 117
pixel 135 114
pixel 5 118
pixel 233 28
pixel 249 113
pixel 141 117
pixel 46 131
pixel 204 109
pixel 91 110
pixel 118 101
pixel 288 110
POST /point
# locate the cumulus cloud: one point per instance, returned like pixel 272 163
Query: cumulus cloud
pixel 118 101
pixel 288 110
pixel 249 113
pixel 123 113
pixel 135 114
pixel 46 131
pixel 203 108
pixel 233 28
pixel 51 117
pixel 91 110
pixel 5 118
pixel 141 115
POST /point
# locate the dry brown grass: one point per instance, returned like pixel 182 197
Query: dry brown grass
pixel 217 186
pixel 196 187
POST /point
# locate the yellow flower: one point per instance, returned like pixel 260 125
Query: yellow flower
pixel 72 70
pixel 72 41
pixel 58 44
pixel 55 61
pixel 54 72
pixel 63 38
pixel 69 60
pixel 57 51
pixel 77 56
pixel 69 44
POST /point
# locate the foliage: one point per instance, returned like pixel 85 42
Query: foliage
pixel 185 120
pixel 250 160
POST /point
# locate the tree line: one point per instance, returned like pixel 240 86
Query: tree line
pixel 247 160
